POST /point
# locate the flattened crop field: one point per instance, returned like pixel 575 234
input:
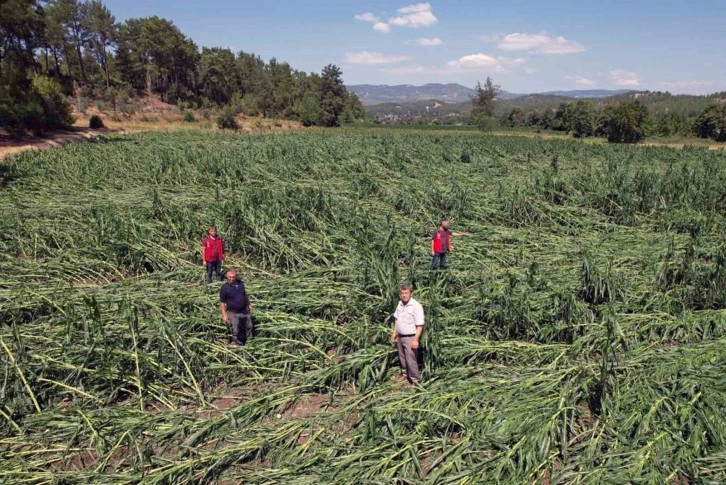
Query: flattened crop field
pixel 578 336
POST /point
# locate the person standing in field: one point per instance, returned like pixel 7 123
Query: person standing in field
pixel 212 254
pixel 441 243
pixel 235 307
pixel 406 334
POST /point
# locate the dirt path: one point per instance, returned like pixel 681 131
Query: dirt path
pixel 12 145
pixel 699 144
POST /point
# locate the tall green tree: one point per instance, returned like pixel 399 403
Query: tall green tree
pixel 27 99
pixel 154 55
pixel 626 122
pixel 282 86
pixel 70 15
pixel 132 60
pixel 580 119
pixel 712 122
pixel 482 114
pixel 21 32
pixel 546 119
pixel 353 109
pixel 218 76
pixel 670 124
pixel 54 41
pixel 516 118
pixel 332 95
pixel 100 27
pixel 254 83
pixel 306 106
pixel 309 110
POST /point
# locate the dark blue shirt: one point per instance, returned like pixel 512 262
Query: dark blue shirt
pixel 235 297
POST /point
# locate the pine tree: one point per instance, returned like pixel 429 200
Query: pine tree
pixel 332 96
pixel 482 114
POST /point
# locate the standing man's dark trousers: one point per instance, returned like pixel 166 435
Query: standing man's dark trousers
pixel 439 260
pixel 216 268
pixel 408 358
pixel 241 324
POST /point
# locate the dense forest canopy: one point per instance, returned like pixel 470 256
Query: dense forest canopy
pixel 57 48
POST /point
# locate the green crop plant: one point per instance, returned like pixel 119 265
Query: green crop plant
pixel 578 336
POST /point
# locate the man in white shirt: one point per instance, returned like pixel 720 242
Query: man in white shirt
pixel 407 332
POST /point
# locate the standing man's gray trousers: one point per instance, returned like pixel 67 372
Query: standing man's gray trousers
pixel 236 321
pixel 408 358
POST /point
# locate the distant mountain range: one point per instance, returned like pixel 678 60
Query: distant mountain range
pixel 587 93
pixel 451 93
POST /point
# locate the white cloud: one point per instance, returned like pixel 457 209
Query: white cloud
pixel 366 57
pixel 685 84
pixel 429 42
pixel 415 8
pixel 624 78
pixel 499 64
pixel 584 83
pixel 378 26
pixel 416 15
pixel 367 17
pixel 543 43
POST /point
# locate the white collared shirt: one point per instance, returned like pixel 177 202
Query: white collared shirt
pixel 408 317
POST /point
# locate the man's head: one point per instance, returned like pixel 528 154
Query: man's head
pixel 212 231
pixel 405 292
pixel 231 275
pixel 444 224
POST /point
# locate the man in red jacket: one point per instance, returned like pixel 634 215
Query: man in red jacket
pixel 212 254
pixel 441 243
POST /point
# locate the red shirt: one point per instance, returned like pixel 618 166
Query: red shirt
pixel 442 241
pixel 213 249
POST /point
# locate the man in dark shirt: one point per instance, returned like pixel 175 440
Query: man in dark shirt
pixel 234 304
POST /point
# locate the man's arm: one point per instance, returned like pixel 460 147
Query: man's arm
pixel 419 331
pixel 394 334
pixel 248 305
pixel 419 321
pixel 221 249
pixel 456 234
pixel 223 311
pixel 204 263
pixel 432 247
pixel 223 304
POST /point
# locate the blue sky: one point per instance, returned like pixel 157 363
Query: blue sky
pixel 524 45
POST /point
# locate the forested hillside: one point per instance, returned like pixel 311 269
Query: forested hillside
pixel 667 114
pixel 50 50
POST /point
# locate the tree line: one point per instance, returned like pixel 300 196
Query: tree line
pixel 625 122
pixel 628 118
pixel 623 118
pixel 53 49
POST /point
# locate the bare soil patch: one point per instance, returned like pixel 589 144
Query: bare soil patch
pixel 308 406
pixel 10 145
pixel 154 115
